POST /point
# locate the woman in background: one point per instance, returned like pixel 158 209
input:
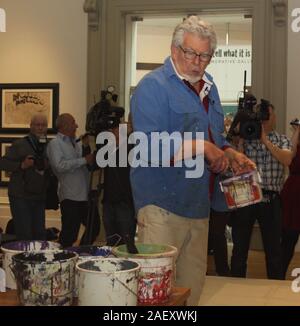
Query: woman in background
pixel 291 209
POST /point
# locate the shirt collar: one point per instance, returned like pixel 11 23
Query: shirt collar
pixel 65 137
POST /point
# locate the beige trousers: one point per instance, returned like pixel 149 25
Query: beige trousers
pixel 189 236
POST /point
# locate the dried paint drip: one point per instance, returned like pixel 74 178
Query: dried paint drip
pixel 157 271
pixel 108 282
pixel 45 278
pixel 13 248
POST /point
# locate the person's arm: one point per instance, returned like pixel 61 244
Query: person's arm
pixel 12 161
pixel 283 155
pixel 295 140
pixel 239 162
pixel 214 155
pixel 58 161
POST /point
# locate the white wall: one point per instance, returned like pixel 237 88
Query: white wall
pixel 293 67
pixel 46 41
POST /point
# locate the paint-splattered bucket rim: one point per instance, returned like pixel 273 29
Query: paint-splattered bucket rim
pixel 83 251
pixel 5 246
pixel 81 269
pixel 17 258
pixel 171 251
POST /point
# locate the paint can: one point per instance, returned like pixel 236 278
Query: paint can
pixel 87 253
pixel 157 270
pixel 242 190
pixel 45 279
pixel 108 282
pixel 12 248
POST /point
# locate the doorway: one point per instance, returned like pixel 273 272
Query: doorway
pixel 149 46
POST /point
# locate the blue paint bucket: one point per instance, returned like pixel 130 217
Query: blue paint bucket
pixel 91 251
pixel 86 253
pixel 45 279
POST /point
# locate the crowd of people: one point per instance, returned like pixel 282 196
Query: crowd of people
pixel 165 205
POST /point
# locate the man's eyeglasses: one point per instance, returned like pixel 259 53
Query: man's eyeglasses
pixel 191 55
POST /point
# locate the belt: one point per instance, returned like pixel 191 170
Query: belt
pixel 269 195
pixel 270 192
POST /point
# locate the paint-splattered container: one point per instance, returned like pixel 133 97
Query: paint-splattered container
pixel 87 253
pixel 12 248
pixel 108 282
pixel 45 279
pixel 157 270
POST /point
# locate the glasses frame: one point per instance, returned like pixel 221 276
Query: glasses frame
pixel 192 55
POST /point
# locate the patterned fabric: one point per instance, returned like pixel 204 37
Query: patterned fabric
pixel 270 169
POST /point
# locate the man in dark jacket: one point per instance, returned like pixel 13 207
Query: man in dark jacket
pixel 26 161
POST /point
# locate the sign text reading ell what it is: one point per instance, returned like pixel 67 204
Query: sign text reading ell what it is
pixel 2 21
pixel 296 21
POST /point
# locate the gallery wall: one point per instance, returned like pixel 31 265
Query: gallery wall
pixel 46 42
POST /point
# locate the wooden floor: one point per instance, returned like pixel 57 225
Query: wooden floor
pixel 255 290
pixel 256 265
pixel 229 291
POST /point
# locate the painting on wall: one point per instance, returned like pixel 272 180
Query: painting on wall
pixel 19 102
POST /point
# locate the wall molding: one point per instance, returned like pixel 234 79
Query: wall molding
pixel 279 10
pixel 91 7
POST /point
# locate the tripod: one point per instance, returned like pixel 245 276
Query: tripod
pixel 92 227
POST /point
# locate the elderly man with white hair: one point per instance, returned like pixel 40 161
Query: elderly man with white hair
pixel 181 97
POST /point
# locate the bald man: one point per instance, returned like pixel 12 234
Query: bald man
pixel 28 181
pixel 70 166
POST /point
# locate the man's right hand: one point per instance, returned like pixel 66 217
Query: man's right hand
pixel 216 157
pixel 27 163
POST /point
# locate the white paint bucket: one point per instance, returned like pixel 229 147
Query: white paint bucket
pixel 45 279
pixel 87 253
pixel 108 282
pixel 157 270
pixel 12 248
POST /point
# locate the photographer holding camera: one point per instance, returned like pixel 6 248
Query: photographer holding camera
pixel 271 152
pixel 27 163
pixel 118 207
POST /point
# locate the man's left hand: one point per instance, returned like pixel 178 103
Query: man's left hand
pixel 240 163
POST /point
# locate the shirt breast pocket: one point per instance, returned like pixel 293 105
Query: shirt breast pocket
pixel 186 115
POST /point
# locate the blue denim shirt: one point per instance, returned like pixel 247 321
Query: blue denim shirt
pixel 162 102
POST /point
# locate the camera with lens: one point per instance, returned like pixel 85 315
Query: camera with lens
pixel 295 122
pixel 105 114
pixel 250 117
pixel 247 121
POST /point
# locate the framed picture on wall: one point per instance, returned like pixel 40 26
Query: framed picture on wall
pixel 19 102
pixel 5 143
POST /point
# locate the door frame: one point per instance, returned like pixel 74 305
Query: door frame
pixel 107 42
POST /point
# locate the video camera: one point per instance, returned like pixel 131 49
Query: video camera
pixel 249 117
pixel 105 114
pixel 295 122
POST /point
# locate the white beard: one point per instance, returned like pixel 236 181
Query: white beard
pixel 192 80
